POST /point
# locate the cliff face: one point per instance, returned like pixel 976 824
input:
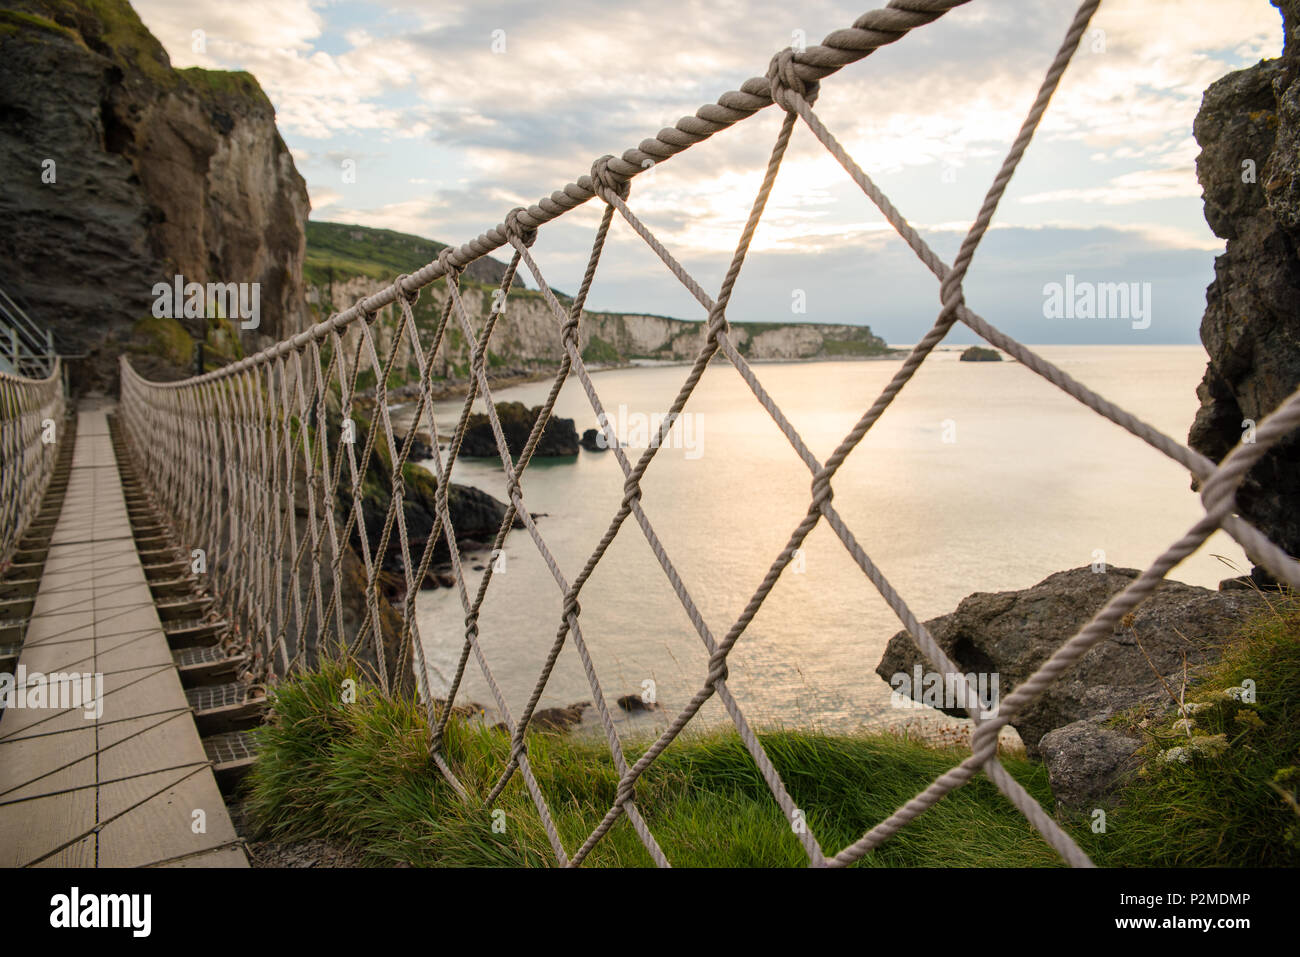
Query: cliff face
pixel 1249 168
pixel 526 339
pixel 122 172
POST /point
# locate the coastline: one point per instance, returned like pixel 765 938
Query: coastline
pixel 458 389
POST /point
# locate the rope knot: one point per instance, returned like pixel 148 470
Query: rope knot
pixel 569 332
pixel 471 625
pixel 449 268
pixel 718 667
pixel 571 606
pixel 603 178
pixel 517 230
pixel 632 490
pixel 367 316
pixel 717 325
pixel 513 490
pixel 519 748
pixel 951 293
pixel 410 297
pixel 822 493
pixel 785 80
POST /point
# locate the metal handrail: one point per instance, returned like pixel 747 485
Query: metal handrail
pixel 25 348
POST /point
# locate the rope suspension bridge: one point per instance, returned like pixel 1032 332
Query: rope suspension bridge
pixel 250 466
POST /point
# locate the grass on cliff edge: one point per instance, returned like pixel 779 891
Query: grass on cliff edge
pixel 1221 787
pixel 359 774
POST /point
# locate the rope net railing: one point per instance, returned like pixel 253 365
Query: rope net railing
pixel 31 415
pixel 253 464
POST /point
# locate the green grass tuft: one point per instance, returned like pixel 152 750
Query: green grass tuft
pixel 225 83
pixel 12 21
pixel 1236 802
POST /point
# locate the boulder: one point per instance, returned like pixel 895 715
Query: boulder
pixel 559 437
pixel 554 719
pixel 981 354
pixel 634 703
pixel 438 579
pixel 1085 760
pixel 1248 129
pixel 593 440
pixel 1011 633
pixel 559 719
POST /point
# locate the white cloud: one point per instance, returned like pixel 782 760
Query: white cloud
pixel 1138 187
pixel 323 198
pixel 409 216
pixel 288 25
pixel 469 133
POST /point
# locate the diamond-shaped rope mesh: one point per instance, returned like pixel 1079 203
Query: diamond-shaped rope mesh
pixel 31 415
pixel 250 461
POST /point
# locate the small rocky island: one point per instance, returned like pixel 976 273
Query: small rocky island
pixel 981 354
pixel 559 437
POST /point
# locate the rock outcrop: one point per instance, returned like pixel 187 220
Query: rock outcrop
pixel 553 720
pixel 122 172
pixel 559 438
pixel 1249 168
pixel 593 440
pixel 475 515
pixel 981 354
pixel 634 703
pixel 1011 633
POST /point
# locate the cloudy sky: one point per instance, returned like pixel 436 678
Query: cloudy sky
pixel 451 113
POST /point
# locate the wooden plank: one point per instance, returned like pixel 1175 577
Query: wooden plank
pixel 94 613
pixel 163 826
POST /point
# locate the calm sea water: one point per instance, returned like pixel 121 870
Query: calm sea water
pixel 980 477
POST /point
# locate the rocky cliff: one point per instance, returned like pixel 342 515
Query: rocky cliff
pixel 122 172
pixel 1249 168
pixel 347 263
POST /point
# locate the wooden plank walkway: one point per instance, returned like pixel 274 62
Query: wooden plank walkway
pixel 117 789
